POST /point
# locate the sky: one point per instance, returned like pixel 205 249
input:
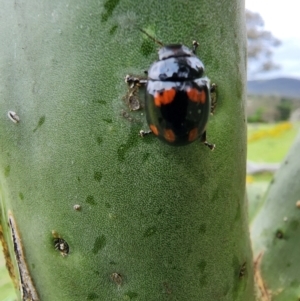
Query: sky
pixel 282 18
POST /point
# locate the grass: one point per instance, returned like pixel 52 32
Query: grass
pixel 271 141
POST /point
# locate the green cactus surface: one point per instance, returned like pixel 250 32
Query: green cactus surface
pixel 89 209
pixel 275 233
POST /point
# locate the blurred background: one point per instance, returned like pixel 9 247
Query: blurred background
pixel 273 103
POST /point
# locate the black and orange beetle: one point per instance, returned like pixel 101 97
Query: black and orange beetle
pixel 178 97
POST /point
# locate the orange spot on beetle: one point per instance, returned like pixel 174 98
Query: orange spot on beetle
pixel 196 95
pixel 154 129
pixel 165 97
pixel 169 135
pixel 193 134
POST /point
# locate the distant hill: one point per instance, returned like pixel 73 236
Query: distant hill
pixel 282 87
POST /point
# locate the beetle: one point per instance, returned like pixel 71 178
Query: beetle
pixel 178 98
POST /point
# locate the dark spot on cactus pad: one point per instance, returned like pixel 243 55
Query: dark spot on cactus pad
pixel 7 171
pixel 150 231
pixel 145 157
pixel 116 278
pixel 243 270
pixel 101 102
pixel 113 29
pixel 109 6
pixel 112 262
pixel 107 205
pixel 99 140
pixel 99 244
pixel 202 265
pixel 294 224
pixel 159 211
pixel 279 234
pixel 147 47
pixel 202 228
pixel 108 120
pixel 167 288
pixel 130 295
pixel 21 196
pixel 90 200
pixel 130 143
pixel 98 176
pixel 92 296
pixel 40 123
pixel 61 245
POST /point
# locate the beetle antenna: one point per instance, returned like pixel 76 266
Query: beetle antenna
pixel 152 38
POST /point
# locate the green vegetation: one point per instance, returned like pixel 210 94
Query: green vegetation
pixel 272 146
pixel 7 291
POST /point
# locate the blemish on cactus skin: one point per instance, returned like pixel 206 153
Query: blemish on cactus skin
pixel 243 270
pixel 40 123
pixel 98 176
pixel 279 234
pixel 294 224
pixel 77 207
pixel 28 291
pixel 167 288
pixel 60 244
pixel 92 296
pixel 130 295
pixel 113 29
pixel 99 244
pixel 129 144
pixel 108 120
pixel 147 47
pixel 116 278
pixel 202 229
pixel 21 196
pixel 150 231
pixel 13 116
pixel 7 171
pixel 101 102
pixel 145 157
pixel 159 211
pixel 109 6
pixel 99 140
pixel 202 265
pixel 298 204
pixel 90 200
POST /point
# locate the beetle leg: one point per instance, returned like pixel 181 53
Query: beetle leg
pixel 144 133
pixel 203 139
pixel 195 46
pixel 134 81
pixel 213 93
